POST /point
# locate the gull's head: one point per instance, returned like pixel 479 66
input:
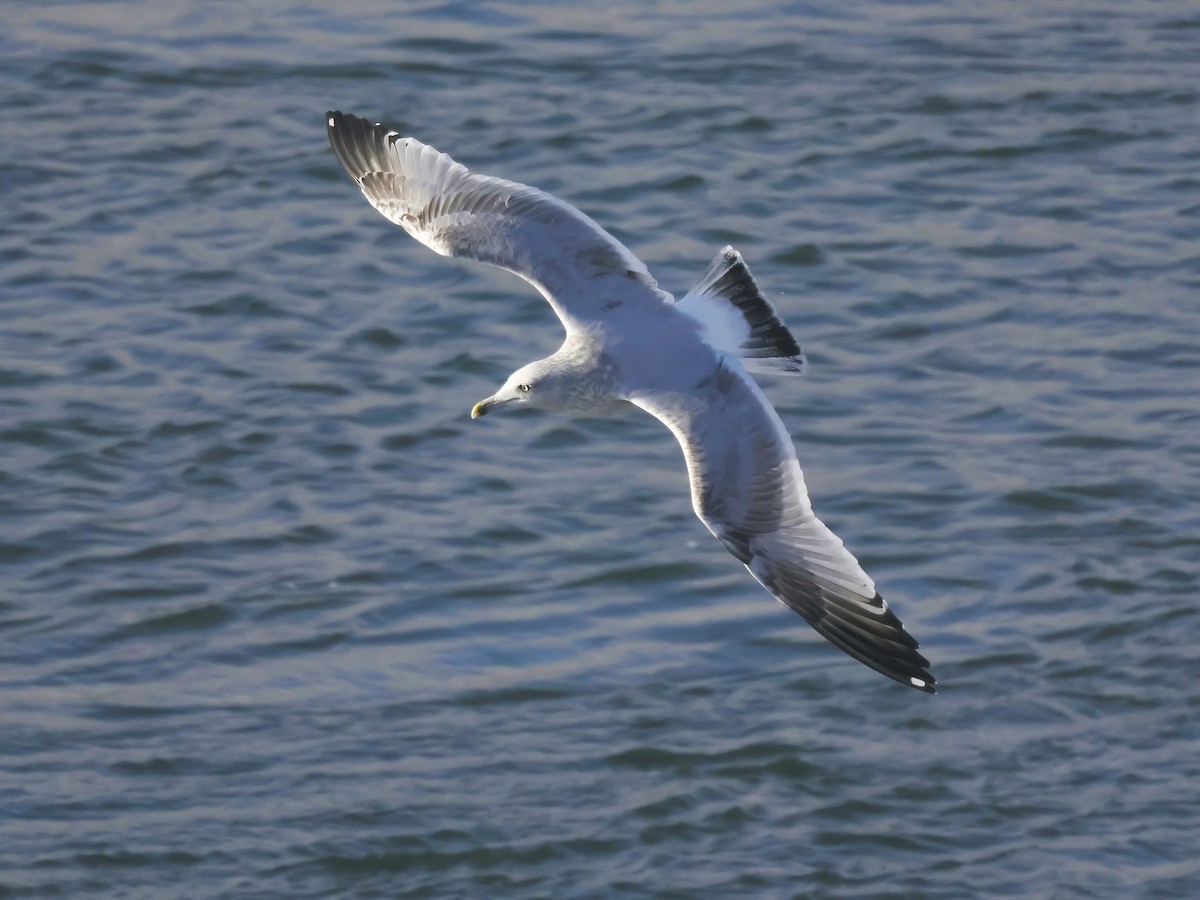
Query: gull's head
pixel 526 385
pixel 564 381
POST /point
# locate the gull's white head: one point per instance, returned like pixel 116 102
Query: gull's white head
pixel 535 383
pixel 560 382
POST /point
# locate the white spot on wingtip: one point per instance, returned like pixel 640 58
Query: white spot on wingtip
pixel 917 682
pixel 331 121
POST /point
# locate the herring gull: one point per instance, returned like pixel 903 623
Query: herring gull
pixel 685 362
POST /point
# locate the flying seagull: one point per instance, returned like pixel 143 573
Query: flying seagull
pixel 686 362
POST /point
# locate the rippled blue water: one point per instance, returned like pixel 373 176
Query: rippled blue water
pixel 279 620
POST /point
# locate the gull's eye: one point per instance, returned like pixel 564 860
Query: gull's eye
pixel 524 388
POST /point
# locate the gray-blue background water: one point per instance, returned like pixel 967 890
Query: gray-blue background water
pixel 279 620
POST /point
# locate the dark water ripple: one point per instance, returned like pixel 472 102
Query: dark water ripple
pixel 278 620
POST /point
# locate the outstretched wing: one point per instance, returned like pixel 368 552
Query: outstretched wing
pixel 747 487
pixel 578 266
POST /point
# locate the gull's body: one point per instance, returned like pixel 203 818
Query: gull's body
pixel 685 362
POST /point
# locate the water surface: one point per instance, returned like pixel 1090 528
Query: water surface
pixel 279 620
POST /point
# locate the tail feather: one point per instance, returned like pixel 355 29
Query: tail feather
pixel 739 319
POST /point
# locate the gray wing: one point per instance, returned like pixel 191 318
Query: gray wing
pixel 747 487
pixel 578 266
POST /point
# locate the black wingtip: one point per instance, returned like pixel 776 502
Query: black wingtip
pixel 899 662
pixel 878 640
pixel 359 145
pixel 928 683
pixel 335 121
